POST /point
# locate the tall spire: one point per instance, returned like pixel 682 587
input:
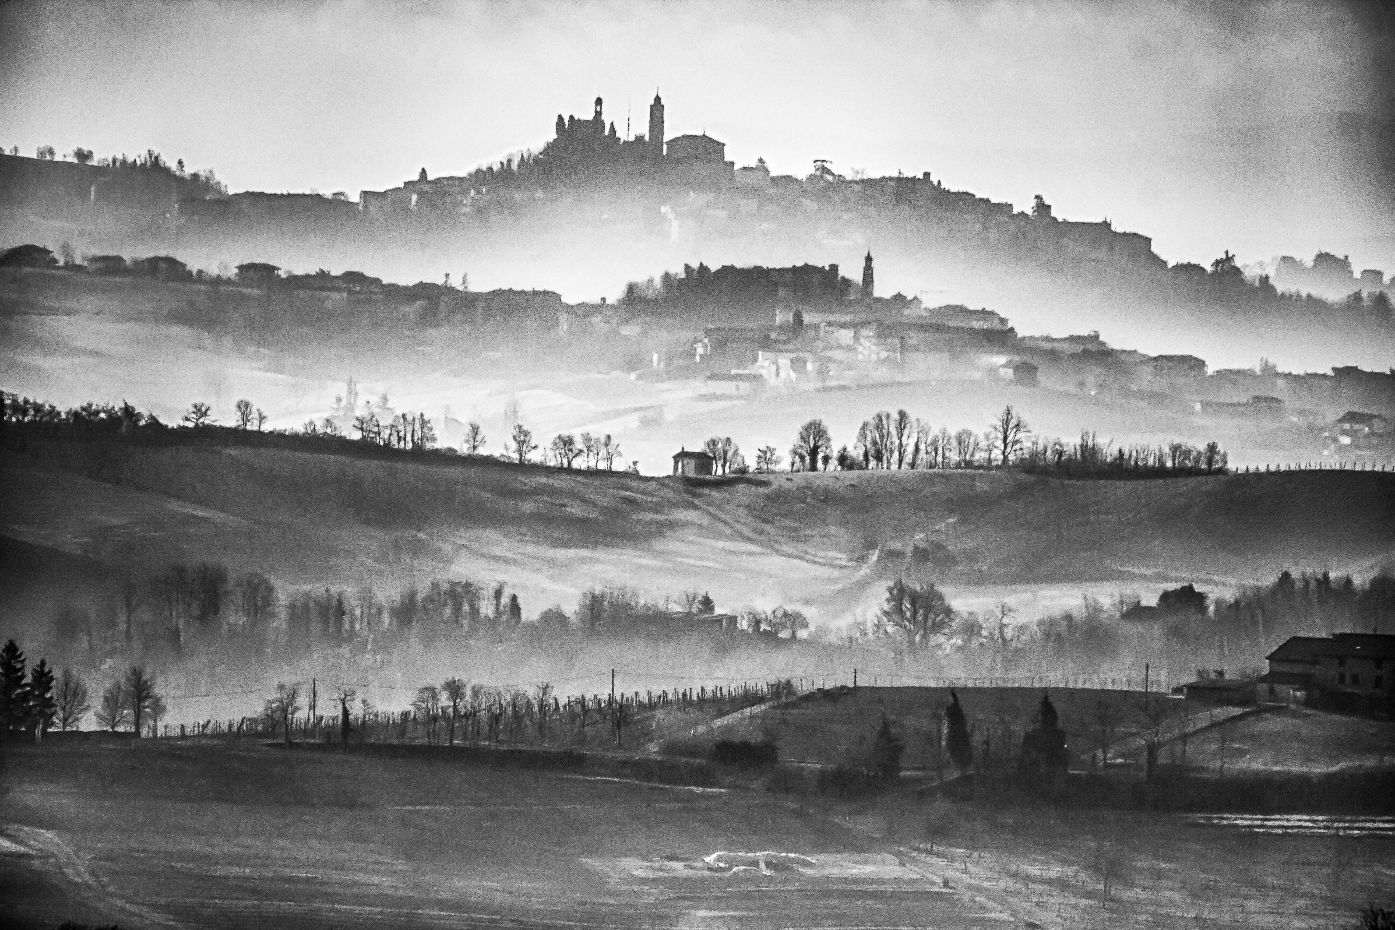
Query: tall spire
pixel 868 280
pixel 656 124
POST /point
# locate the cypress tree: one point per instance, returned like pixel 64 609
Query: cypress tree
pixel 14 691
pixel 1047 718
pixel 43 709
pixel 886 754
pixel 957 742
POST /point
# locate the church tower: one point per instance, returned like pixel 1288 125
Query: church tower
pixel 867 277
pixel 656 124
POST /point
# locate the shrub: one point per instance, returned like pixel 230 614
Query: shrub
pixel 745 753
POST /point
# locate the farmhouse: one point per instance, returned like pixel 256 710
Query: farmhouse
pixel 693 464
pixel 257 274
pixel 1019 371
pixel 1357 425
pixel 1351 670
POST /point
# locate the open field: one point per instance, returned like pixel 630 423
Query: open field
pixel 193 834
pixel 1295 739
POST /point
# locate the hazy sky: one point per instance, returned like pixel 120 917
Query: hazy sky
pixel 1206 125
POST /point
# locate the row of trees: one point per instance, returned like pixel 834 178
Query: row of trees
pixel 1184 631
pixel 893 441
pixel 199 606
pixel 32 704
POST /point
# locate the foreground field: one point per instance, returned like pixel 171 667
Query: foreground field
pixel 172 835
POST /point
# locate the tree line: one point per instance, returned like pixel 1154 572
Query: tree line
pixel 186 608
pixel 32 704
pixel 899 441
pixel 1186 629
pixel 376 425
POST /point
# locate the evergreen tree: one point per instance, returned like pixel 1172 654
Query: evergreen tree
pixel 886 755
pixel 42 707
pixel 14 691
pixel 1047 718
pixel 1044 750
pixel 957 742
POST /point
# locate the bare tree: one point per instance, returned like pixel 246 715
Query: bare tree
pixel 965 448
pixel 282 707
pixel 811 445
pixel 427 706
pixel 523 444
pixel 920 612
pixel 261 419
pixel 542 699
pixel 200 414
pixel 713 447
pixel 767 459
pixel 610 451
pixel 903 432
pixel 1008 431
pixel 565 450
pixel 112 712
pixel 455 693
pixel 245 414
pixel 474 438
pixel 72 700
pixel 139 691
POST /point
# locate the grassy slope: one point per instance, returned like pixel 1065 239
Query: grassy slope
pixel 826 541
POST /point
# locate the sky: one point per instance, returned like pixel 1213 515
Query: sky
pixel 1254 127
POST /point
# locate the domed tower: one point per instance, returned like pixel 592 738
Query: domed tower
pixel 598 120
pixel 656 124
pixel 868 280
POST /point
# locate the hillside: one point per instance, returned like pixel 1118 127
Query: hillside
pixel 826 542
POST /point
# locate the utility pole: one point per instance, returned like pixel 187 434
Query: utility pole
pixel 314 706
pixel 612 687
pixel 854 679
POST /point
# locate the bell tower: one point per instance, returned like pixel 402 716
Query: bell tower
pixel 656 124
pixel 868 280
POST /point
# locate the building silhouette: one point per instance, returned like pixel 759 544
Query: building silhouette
pixel 868 279
pixel 656 124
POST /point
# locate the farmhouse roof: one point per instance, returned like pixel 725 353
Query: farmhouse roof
pixel 1302 649
pixel 1343 645
pixel 1359 418
pixel 692 456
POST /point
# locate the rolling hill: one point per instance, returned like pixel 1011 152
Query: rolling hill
pixel 75 512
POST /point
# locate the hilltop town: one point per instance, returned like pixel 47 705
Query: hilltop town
pixel 661 196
